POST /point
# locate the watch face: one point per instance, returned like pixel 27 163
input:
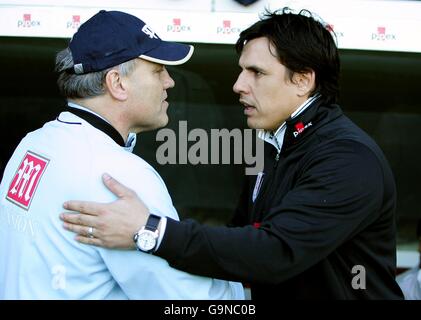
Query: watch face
pixel 146 240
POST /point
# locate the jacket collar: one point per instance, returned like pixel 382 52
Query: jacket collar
pixel 304 125
pixel 311 115
pixel 276 138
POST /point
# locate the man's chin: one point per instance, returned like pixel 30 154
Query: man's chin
pixel 251 124
pixel 259 125
pixel 162 124
pixel 155 126
pixel 165 122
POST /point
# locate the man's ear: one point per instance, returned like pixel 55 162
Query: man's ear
pixel 305 82
pixel 116 85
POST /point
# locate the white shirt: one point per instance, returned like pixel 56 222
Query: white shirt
pixel 65 160
pixel 410 283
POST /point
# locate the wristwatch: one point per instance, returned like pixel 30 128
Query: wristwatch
pixel 146 238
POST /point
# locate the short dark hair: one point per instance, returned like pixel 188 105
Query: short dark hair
pixel 302 43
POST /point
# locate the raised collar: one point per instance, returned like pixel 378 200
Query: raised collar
pixel 277 138
pixel 305 124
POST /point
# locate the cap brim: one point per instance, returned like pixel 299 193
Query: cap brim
pixel 169 53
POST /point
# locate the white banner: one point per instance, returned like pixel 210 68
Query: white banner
pixel 365 25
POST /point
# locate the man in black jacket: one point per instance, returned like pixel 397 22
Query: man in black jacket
pixel 318 222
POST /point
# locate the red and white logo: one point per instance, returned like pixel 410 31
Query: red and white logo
pixel 227 28
pixel 300 127
pixel 25 182
pixel 74 23
pixel 382 35
pixel 27 22
pixel 331 29
pixel 177 26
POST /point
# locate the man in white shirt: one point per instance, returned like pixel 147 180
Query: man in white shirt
pixel 410 280
pixel 114 78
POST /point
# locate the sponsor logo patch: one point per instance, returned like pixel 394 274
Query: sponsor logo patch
pixel 300 127
pixel 25 181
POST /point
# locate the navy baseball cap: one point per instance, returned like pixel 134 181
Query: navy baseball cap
pixel 110 38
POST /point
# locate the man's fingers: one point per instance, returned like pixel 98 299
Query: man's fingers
pixel 85 207
pixel 91 241
pixel 79 219
pixel 80 230
pixel 116 187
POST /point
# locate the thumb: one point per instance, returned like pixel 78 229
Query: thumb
pixel 116 187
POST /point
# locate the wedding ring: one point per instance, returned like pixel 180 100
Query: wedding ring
pixel 90 232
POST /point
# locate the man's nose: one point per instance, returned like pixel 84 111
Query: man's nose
pixel 168 82
pixel 239 85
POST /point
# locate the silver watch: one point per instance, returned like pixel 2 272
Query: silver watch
pixel 146 238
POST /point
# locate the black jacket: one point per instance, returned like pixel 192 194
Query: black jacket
pixel 322 226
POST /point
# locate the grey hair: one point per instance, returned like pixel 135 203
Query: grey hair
pixel 73 85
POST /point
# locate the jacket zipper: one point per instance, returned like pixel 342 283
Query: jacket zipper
pixel 276 159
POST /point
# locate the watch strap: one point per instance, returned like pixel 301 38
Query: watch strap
pixel 153 222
